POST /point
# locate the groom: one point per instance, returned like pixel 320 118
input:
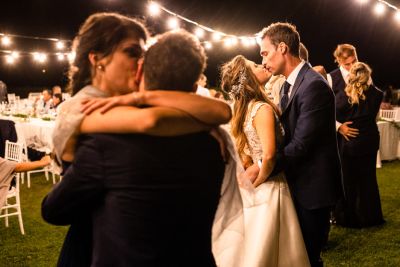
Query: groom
pixel 310 158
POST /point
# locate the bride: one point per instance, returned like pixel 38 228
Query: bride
pixel 271 235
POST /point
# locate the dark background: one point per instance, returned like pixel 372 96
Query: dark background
pixel 322 25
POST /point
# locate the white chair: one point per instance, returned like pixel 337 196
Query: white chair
pixel 13 152
pixel 389 114
pixel 46 169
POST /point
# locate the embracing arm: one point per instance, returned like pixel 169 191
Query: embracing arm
pixel 80 187
pixel 264 122
pixel 158 121
pixel 207 110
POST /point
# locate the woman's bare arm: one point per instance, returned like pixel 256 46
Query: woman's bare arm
pixel 158 121
pixel 264 122
pixel 31 165
pixel 207 110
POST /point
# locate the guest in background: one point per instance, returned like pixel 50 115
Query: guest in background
pixel 389 98
pixel 57 99
pixel 9 168
pixel 303 52
pixel 201 86
pixel 321 70
pixel 3 92
pixel 216 94
pixel 56 89
pixel 45 102
pixel 345 55
pixel 361 205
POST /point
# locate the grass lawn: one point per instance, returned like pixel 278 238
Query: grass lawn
pixel 376 246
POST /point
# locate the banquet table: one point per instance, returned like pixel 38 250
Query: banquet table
pixel 389 147
pixel 35 132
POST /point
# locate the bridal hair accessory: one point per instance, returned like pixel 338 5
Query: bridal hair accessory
pixel 237 88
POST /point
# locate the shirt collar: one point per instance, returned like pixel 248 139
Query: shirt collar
pixel 293 75
pixel 344 72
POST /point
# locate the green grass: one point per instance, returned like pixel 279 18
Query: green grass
pixel 42 242
pixel 376 246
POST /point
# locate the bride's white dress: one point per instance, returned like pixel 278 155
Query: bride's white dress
pixel 270 234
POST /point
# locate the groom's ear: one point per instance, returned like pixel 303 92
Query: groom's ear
pixel 282 48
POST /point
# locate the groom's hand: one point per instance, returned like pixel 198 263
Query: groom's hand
pixel 251 172
pixel 347 131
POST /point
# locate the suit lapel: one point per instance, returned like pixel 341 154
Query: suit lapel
pixel 297 83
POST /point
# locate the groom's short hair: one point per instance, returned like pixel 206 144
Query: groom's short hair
pixel 174 62
pixel 283 32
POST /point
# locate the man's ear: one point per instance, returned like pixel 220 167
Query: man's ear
pixel 282 48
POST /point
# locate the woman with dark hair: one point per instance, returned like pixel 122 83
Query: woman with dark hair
pixel 359 103
pixel 57 99
pixel 108 55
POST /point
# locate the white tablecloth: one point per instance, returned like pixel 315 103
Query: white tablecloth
pixel 389 147
pixel 35 132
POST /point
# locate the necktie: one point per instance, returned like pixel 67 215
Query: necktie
pixel 285 95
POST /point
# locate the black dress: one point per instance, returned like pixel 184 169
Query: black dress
pixel 361 205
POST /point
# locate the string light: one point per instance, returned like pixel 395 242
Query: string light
pixel 60 45
pixel 10 59
pixel 173 23
pixel 39 57
pixel 199 32
pixel 208 45
pixel 379 9
pixel 154 9
pixel 397 16
pixel 5 40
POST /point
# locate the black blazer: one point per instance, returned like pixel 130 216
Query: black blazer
pixel 310 157
pixel 151 200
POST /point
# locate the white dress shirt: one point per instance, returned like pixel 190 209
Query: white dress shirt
pixel 291 79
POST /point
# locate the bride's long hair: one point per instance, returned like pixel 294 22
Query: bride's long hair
pixel 359 77
pixel 242 86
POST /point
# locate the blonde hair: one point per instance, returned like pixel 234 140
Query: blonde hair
pixel 343 51
pixel 360 74
pixel 242 86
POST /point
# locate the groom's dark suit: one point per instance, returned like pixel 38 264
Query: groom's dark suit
pixel 310 157
pixel 151 200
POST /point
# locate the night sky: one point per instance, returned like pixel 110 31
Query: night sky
pixel 322 25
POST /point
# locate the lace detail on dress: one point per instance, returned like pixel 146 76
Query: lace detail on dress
pixel 254 149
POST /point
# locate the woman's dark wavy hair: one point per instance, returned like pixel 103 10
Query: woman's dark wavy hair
pixel 100 33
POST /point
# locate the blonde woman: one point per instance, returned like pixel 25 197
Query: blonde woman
pixel 272 236
pixel 359 103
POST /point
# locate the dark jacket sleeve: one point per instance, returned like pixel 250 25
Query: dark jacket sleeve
pixel 77 192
